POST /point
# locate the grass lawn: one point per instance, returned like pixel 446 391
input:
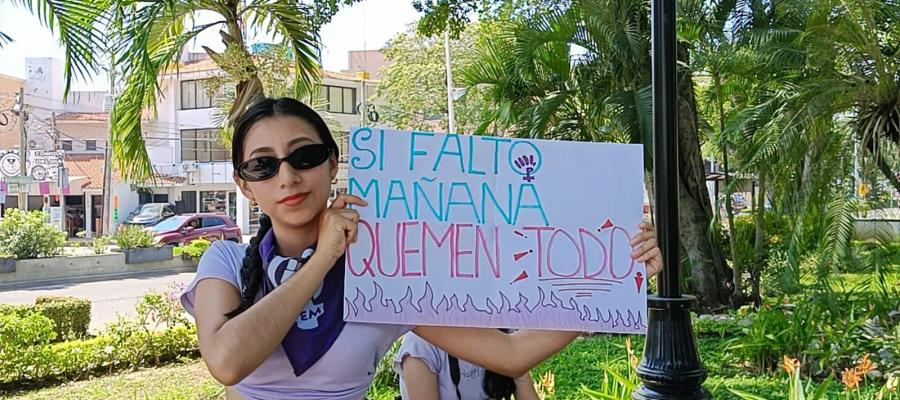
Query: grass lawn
pixel 580 364
pixel 180 381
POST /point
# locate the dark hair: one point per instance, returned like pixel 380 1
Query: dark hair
pixel 496 386
pixel 252 270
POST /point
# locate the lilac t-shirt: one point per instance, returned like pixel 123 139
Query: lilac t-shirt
pixel 343 373
pixel 471 376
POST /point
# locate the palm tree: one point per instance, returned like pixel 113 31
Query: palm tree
pixel 789 128
pixel 726 58
pixel 147 39
pixel 863 76
pixel 602 93
pixel 144 39
pixel 74 21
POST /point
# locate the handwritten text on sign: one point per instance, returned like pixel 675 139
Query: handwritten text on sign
pixel 495 232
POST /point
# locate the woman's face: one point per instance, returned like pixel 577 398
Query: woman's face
pixel 292 198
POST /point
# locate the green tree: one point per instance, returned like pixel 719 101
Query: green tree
pixel 147 39
pixel 414 85
pixel 540 88
pixel 144 39
pixel 790 124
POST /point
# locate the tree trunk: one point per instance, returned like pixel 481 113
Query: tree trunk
pixel 709 276
pixel 737 297
pixel 759 245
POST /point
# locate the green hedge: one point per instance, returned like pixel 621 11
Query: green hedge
pixel 71 316
pixel 39 364
pixel 194 250
pixel 26 330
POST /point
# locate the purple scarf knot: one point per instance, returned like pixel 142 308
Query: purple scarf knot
pixel 321 321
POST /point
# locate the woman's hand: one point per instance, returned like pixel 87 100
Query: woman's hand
pixel 338 226
pixel 645 250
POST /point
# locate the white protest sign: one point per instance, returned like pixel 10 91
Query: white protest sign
pixel 495 232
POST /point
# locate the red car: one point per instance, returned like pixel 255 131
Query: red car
pixel 187 227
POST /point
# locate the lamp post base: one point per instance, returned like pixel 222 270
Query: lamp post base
pixel 671 367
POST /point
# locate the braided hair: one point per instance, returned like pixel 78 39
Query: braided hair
pixel 252 268
pixel 497 386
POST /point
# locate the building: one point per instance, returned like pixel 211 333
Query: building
pixel 183 138
pixel 368 61
pixel 9 123
pixel 66 140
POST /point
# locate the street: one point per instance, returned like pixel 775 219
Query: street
pixel 107 297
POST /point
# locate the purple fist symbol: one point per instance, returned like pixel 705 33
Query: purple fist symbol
pixel 528 163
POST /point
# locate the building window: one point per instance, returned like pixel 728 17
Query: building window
pixel 194 95
pixel 339 99
pixel 214 201
pixel 90 145
pixel 202 145
pixel 67 145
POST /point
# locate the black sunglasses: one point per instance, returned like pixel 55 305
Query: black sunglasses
pixel 266 167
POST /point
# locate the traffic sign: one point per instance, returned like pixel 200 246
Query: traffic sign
pixel 19 179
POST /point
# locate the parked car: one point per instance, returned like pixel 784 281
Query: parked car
pixel 150 214
pixel 186 227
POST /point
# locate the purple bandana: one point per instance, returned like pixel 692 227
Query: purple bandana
pixel 321 321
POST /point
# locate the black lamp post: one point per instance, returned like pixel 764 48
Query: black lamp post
pixel 671 367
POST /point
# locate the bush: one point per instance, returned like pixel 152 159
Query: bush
pixel 193 250
pixel 72 315
pixel 100 243
pixel 161 309
pixel 20 331
pixel 40 364
pixel 27 235
pixel 133 236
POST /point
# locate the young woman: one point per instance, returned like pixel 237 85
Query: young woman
pixel 269 329
pixel 429 373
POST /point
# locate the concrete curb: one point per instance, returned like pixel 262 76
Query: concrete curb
pixel 67 270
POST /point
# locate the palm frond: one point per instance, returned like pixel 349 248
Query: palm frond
pixel 291 21
pixel 153 37
pixel 5 39
pixel 76 22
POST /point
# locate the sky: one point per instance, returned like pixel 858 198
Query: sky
pixel 368 24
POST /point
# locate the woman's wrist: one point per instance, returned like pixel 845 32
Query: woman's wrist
pixel 323 258
pixel 524 379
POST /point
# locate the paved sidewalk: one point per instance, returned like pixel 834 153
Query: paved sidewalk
pixel 107 297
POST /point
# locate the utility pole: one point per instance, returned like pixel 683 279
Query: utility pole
pixel 61 176
pixel 107 159
pixel 23 150
pixel 450 111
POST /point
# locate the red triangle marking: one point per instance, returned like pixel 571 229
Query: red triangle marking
pixel 521 276
pixel 607 224
pixel 639 279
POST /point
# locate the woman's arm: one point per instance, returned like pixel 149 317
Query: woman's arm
pixel 233 348
pixel 419 381
pixel 515 354
pixel 525 388
pixel 508 354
